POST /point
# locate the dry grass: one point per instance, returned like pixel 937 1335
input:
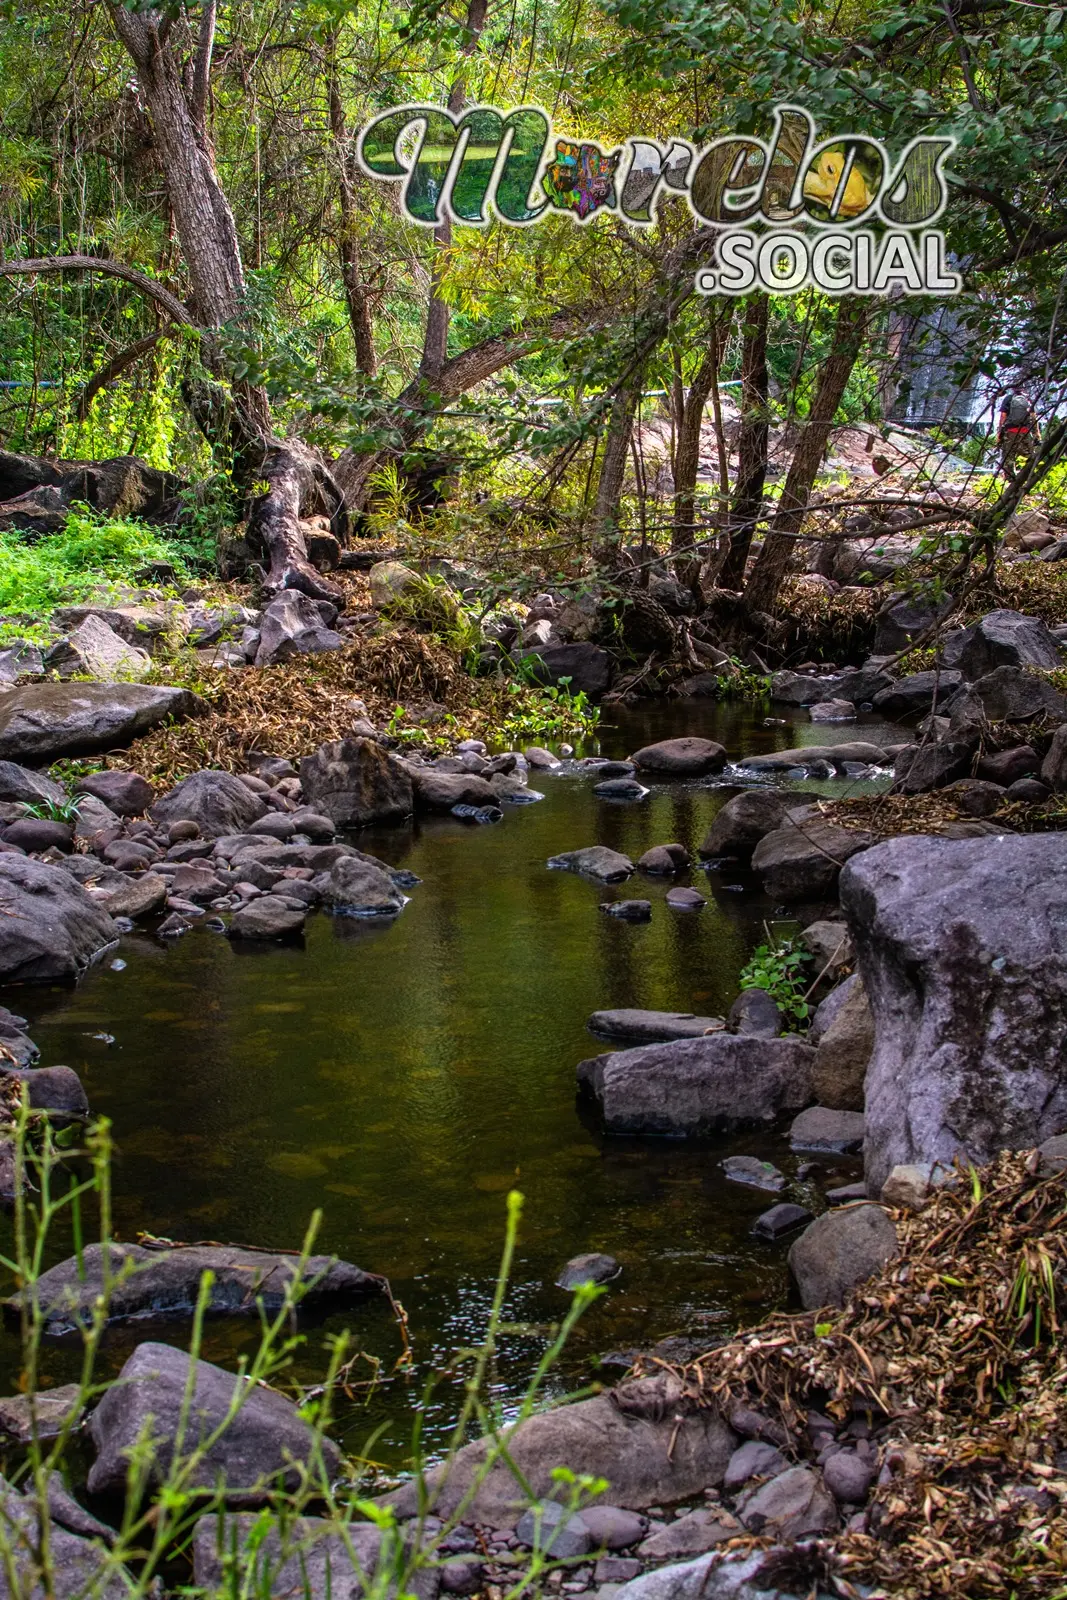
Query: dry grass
pixel 955 1351
pixel 838 627
pixel 887 815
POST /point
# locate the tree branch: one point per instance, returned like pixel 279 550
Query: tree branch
pixel 112 269
pixel 120 361
pixel 202 68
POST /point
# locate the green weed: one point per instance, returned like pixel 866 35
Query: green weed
pixel 779 968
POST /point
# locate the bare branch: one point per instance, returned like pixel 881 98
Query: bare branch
pixel 119 363
pixel 112 269
pixel 202 67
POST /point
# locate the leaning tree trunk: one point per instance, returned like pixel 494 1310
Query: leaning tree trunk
pixel 751 443
pixel 772 563
pixel 357 297
pixel 687 457
pixel 240 420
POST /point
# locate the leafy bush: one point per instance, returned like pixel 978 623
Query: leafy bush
pixel 779 969
pixel 91 551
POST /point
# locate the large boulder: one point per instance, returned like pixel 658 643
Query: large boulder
pixel 840 1250
pixel 903 618
pixel 963 950
pixel 217 802
pixel 295 625
pixel 699 1086
pixel 356 782
pixel 652 1447
pixel 919 768
pixel 843 1051
pixel 651 1027
pixel 440 791
pixel 44 721
pixel 743 822
pixel 681 758
pixel 51 929
pixel 97 651
pixel 585 667
pixel 265 1445
pixel 1010 694
pixel 1005 639
pixel 802 860
pixel 922 691
pixel 839 756
pixel 358 888
pixel 166 1283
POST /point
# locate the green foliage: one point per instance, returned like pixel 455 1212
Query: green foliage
pixel 53 810
pixel 738 682
pixel 431 604
pixel 547 712
pixel 779 967
pixel 90 552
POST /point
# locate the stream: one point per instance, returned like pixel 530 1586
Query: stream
pixel 403 1078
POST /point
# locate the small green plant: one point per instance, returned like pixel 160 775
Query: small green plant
pixel 738 682
pixel 52 810
pixel 778 967
pixel 549 711
pixel 91 552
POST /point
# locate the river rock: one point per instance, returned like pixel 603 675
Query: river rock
pixel 29 788
pixel 613 1528
pixel 217 802
pixel 685 899
pixel 852 751
pixel 50 928
pixel 902 618
pixel 628 910
pixel 1006 638
pixel 698 1086
pixel 919 768
pixel 355 782
pixel 624 1437
pixel 681 758
pixel 793 1505
pixel 823 1129
pixel 833 711
pixel 976 797
pixel 690 1535
pixel 753 1459
pixel 780 1220
pixel 542 759
pixel 664 859
pixel 20 660
pixel 166 1282
pixel 127 794
pixel 261 1449
pixel 1010 694
pixel 440 791
pixel 840 1250
pixel 1008 766
pixel 313 1558
pixel 848 1477
pixel 620 789
pixel 830 944
pixel 93 650
pixel 589 668
pixel 270 917
pixel 295 625
pixel 963 950
pixel 18 1049
pixel 1054 766
pixel 922 691
pixel 651 1027
pixel 755 1014
pixel 592 1268
pixel 38 834
pixel 77 1567
pixel 43 1415
pixel 802 861
pixel 57 1090
pixel 44 721
pixel 555 1531
pixel 756 1173
pixel 802 688
pixel 595 861
pixel 843 1050
pixel 743 822
pixel 359 888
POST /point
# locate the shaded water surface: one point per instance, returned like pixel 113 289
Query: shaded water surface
pixel 403 1078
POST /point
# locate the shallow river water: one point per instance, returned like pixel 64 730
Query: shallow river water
pixel 404 1078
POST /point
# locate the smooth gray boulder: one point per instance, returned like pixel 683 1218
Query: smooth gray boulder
pixel 803 860
pixel 260 1450
pixel 841 1249
pixel 1005 638
pixel 95 650
pixel 858 751
pixel 590 1268
pixel 51 929
pixel 550 1527
pixel 56 1090
pixel 756 1014
pixel 437 790
pixel 587 668
pixel 166 1282
pixel 698 1086
pixel 217 802
pixel 126 794
pixel 44 721
pixel 902 618
pixel 651 1027
pixel 963 950
pixel 355 782
pixel 823 1128
pixel 743 822
pixel 652 1447
pixel 359 888
pixel 680 758
pixel 596 861
pixel 42 1415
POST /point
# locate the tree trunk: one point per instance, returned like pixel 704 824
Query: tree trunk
pixel 607 535
pixel 357 297
pixel 751 443
pixel 298 485
pixel 687 457
pixel 773 560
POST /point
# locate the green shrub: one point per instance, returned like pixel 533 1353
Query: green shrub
pixel 778 967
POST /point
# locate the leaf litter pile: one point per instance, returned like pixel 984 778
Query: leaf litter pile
pixel 953 1354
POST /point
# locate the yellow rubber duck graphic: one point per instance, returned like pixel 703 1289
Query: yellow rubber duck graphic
pixel 822 181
